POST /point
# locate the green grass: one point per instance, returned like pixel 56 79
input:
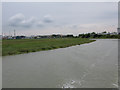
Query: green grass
pixel 11 47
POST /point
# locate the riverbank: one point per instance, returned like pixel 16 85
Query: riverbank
pixel 20 46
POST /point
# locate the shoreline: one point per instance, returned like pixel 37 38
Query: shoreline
pixel 16 47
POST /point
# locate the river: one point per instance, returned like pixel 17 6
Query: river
pixel 93 65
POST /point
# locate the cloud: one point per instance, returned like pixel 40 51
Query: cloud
pixel 28 23
pixel 48 19
pixel 40 24
pixel 19 20
pixel 16 19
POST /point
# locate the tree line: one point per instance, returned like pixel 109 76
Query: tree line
pixel 99 35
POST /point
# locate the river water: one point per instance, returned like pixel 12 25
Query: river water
pixel 93 65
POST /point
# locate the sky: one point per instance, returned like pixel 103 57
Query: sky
pixel 45 18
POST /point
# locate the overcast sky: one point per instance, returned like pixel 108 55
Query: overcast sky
pixel 59 18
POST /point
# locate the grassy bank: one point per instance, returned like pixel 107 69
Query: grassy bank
pixel 11 47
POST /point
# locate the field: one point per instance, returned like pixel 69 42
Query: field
pixel 19 46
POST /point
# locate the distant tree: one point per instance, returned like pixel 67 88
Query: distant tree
pixel 93 33
pixel 87 35
pixel 81 35
pixel 104 32
pixel 102 35
pixel 56 36
pixel 99 36
pixel 53 36
pixel 70 35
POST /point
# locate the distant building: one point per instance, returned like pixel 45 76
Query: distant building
pixel 20 37
pixel 118 30
pixel 113 33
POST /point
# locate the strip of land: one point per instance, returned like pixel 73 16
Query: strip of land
pixel 20 46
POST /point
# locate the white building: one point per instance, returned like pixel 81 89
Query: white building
pixel 118 30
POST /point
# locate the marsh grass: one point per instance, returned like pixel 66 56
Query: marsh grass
pixel 11 47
